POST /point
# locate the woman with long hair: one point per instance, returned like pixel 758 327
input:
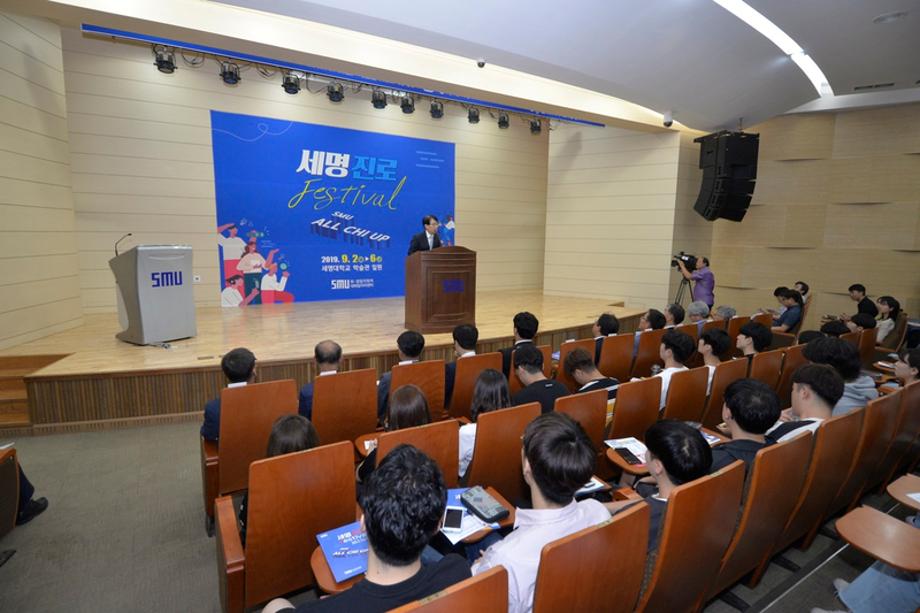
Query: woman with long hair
pixel 489 394
pixel 888 309
pixel 407 408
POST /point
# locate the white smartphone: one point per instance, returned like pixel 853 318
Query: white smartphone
pixel 453 519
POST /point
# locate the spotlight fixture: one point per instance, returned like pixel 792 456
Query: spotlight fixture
pixel 290 83
pixel 379 99
pixel 165 59
pixel 535 126
pixel 472 115
pixel 407 104
pixel 230 73
pixel 503 121
pixel 335 91
pixel 437 109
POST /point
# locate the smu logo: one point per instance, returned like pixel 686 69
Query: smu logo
pixel 166 279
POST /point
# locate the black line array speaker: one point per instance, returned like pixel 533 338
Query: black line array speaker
pixel 729 163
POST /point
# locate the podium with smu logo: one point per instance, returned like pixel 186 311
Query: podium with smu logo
pixel 440 289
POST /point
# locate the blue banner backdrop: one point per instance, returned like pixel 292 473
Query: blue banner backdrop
pixel 308 212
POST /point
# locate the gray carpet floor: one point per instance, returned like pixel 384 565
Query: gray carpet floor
pixel 124 532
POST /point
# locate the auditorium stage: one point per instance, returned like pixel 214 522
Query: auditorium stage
pixel 103 382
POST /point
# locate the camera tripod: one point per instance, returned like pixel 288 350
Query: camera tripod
pixel 682 291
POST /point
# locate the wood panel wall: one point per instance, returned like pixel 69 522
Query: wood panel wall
pixel 40 286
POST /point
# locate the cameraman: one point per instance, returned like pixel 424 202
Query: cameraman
pixel 704 281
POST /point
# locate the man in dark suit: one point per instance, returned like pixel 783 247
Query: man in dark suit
pixel 465 337
pixel 528 365
pixel 525 329
pixel 327 355
pixel 429 239
pixel 410 345
pixel 606 325
pixel 239 368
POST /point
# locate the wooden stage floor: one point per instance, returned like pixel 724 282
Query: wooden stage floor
pixel 103 379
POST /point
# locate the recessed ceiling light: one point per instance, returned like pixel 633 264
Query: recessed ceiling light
pixel 889 17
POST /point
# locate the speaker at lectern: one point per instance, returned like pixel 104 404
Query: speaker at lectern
pixel 154 285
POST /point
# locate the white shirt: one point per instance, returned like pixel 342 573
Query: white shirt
pixel 519 552
pixel 326 372
pixel 467 442
pixel 883 328
pixel 230 297
pixel 712 373
pixel 430 238
pixel 240 384
pixel 666 375
pixel 812 427
pixel 233 246
pixel 273 284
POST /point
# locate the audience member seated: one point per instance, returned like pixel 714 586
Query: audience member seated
pixel 816 388
pixel 328 357
pixel 409 408
pixel 580 366
pixel 802 288
pixel 835 328
pixel 673 315
pixel 790 318
pixel 712 344
pixel 558 460
pixel 528 365
pixel 28 508
pixel 606 325
pixel 401 504
pixel 489 394
pixel 723 313
pixel 290 433
pixel 778 294
pixel 677 454
pixel 465 338
pixel 906 369
pixel 525 330
pixel 858 389
pixel 652 319
pixel 751 408
pixel 698 313
pixel 753 337
pixel 860 322
pixel 676 348
pixel 239 368
pixel 865 304
pixel 885 334
pixel 809 335
pixel 409 345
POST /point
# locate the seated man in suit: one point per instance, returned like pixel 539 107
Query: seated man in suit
pixel 428 239
pixel 401 507
pixel 580 366
pixel 816 388
pixel 525 329
pixel 558 459
pixel 465 337
pixel 673 315
pixel 328 356
pixel 606 325
pixel 751 408
pixel 239 368
pixel 753 337
pixel 528 365
pixel 409 345
pixel 28 508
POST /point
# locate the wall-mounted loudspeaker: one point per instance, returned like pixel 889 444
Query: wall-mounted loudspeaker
pixel 729 163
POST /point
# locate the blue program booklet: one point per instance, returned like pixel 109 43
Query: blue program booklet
pixel 345 549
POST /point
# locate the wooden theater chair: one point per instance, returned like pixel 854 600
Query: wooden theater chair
pixel 687 394
pixel 649 353
pixel 465 376
pixel 565 349
pixel 345 405
pixel 734 329
pixel 792 359
pixel 617 356
pixel 429 377
pixel 485 593
pixel 726 373
pixel 9 491
pixel 439 440
pixel 766 366
pixel 589 410
pixel 906 436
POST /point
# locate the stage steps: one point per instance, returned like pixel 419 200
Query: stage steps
pixel 14 395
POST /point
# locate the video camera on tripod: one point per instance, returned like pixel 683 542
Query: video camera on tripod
pixel 688 260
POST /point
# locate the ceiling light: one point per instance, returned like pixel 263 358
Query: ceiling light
pixel 165 59
pixel 407 104
pixel 335 91
pixel 437 109
pixel 814 74
pixel 230 73
pixel 535 126
pixel 890 17
pixel 472 115
pixel 379 99
pixel 503 121
pixel 291 82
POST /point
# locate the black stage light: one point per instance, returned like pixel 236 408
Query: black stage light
pixel 407 104
pixel 503 121
pixel 535 126
pixel 437 109
pixel 165 59
pixel 379 99
pixel 291 83
pixel 473 115
pixel 335 91
pixel 230 73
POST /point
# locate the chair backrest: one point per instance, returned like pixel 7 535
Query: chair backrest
pixel 467 372
pixel 636 408
pixel 764 319
pixel 648 353
pixel 881 469
pixel 792 359
pixel 698 525
pixel 439 440
pixel 292 498
pixel 590 410
pixel 565 349
pixel 515 385
pixel 246 417
pixel 596 569
pixel 725 374
pixel 9 490
pixel 907 431
pixel 345 405
pixel 878 430
pixel 896 337
pixel 766 366
pixel 734 329
pixel 775 484
pixel 690 329
pixel 486 593
pixel 866 346
pixel 496 458
pixel 429 377
pixel 617 356
pixel 715 324
pixel 852 338
pixel 687 394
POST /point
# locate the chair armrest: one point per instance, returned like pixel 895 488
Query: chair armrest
pixel 231 558
pixel 883 537
pixel 323 574
pixel 463 420
pixel 626 467
pixel 782 339
pixel 626 493
pixel 209 463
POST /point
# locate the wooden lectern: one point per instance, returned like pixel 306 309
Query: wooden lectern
pixel 440 289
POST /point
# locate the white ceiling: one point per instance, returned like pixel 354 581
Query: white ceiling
pixel 688 56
